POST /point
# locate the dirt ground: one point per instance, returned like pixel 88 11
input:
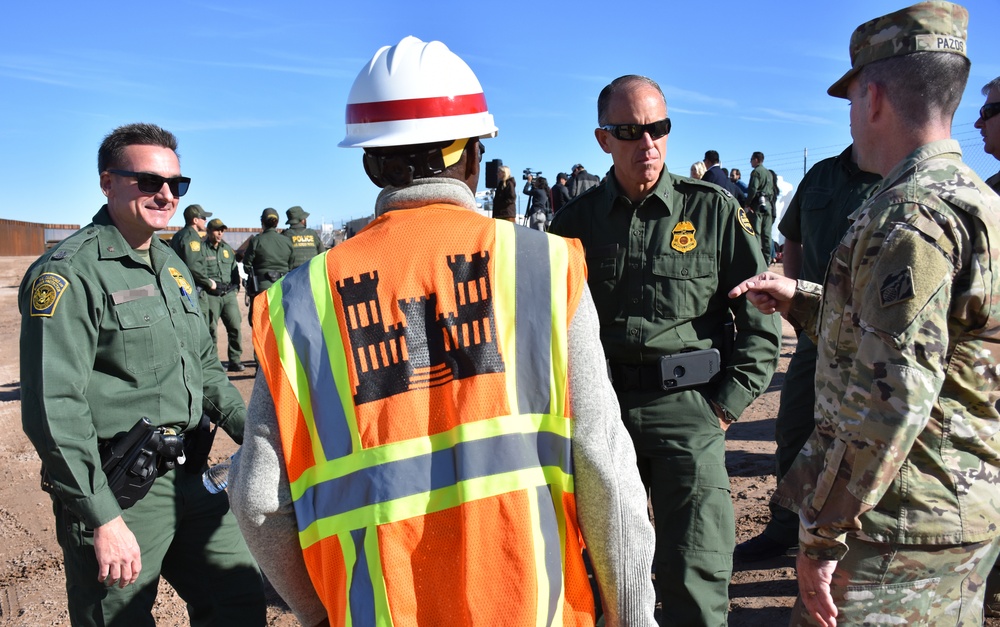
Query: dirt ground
pixel 32 583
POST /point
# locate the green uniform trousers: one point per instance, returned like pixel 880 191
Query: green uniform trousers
pixel 795 423
pixel 188 536
pixel 762 224
pixel 681 452
pixel 899 584
pixel 226 308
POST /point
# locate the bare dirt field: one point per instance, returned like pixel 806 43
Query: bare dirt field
pixel 32 583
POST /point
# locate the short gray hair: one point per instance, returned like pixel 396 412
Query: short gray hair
pixel 620 84
pixel 990 86
pixel 920 85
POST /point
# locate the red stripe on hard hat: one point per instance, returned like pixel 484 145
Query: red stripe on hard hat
pixel 416 108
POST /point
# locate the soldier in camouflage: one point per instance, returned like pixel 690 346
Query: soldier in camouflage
pixel 898 487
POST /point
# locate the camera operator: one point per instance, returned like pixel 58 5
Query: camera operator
pixel 505 196
pixel 538 192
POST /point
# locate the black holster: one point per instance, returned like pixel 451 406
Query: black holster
pixel 130 463
pixel 198 444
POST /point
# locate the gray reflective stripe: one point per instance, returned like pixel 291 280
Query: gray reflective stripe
pixel 553 548
pixel 303 326
pixel 533 320
pixel 362 595
pixel 125 296
pixel 446 468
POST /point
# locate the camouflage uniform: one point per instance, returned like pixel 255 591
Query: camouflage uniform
pixel 904 461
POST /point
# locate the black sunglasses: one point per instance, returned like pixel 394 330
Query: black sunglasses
pixel 987 111
pixel 631 132
pixel 150 183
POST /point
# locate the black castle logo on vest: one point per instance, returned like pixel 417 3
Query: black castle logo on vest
pixel 430 348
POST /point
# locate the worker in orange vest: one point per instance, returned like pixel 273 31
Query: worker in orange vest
pixel 432 437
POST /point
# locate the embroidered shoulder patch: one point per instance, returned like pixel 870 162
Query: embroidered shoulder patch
pixel 45 294
pixel 744 221
pixel 181 281
pixel 225 253
pixel 897 287
pixel 683 240
pixel 195 246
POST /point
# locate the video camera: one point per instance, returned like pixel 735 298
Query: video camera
pixel 529 171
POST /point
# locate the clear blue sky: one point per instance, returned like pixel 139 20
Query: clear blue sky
pixel 255 91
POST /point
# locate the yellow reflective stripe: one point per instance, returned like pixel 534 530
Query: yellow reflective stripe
pixel 504 261
pixel 559 263
pixel 323 297
pixel 435 501
pixel 350 557
pixel 291 365
pixel 379 593
pixel 405 449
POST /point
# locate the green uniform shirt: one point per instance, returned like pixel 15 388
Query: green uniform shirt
pixel 268 251
pixel 905 448
pixel 106 340
pixel 816 217
pixel 187 244
pixel 306 244
pixel 660 270
pixel 220 263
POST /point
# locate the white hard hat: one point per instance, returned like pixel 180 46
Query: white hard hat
pixel 415 93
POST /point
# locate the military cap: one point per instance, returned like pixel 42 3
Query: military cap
pixel 269 213
pixel 216 225
pixel 296 214
pixel 195 211
pixel 935 26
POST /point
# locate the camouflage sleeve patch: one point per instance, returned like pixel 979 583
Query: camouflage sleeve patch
pixel 908 272
pixel 45 294
pixel 744 221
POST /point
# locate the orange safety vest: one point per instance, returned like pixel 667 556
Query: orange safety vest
pixel 419 376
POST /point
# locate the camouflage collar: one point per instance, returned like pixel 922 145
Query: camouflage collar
pixel 942 148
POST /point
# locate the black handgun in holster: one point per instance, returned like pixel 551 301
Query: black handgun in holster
pixel 130 463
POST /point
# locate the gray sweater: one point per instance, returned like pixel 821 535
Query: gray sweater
pixel 611 502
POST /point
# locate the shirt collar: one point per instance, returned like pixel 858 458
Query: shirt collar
pixel 940 148
pixel 660 193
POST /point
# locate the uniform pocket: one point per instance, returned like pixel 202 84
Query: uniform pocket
pixel 147 334
pixel 685 283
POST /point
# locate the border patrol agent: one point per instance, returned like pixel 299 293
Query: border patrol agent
pixel 220 302
pixel 267 258
pixel 306 242
pixel 898 487
pixel 432 430
pixel 111 332
pixel 187 241
pixel 661 250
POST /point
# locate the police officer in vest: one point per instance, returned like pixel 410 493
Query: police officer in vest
pixel 220 302
pixel 112 336
pixel 449 428
pixel 306 242
pixel 267 258
pixel 187 241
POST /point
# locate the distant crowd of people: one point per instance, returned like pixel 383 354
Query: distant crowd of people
pixel 457 420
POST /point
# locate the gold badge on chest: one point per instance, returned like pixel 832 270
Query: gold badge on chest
pixel 683 240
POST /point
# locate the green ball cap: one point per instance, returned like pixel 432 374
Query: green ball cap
pixel 195 211
pixel 269 213
pixel 924 27
pixel 216 225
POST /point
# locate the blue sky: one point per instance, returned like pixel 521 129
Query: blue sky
pixel 255 91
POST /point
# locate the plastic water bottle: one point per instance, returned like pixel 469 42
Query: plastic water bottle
pixel 216 478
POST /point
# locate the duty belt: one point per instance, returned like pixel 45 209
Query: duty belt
pixel 636 377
